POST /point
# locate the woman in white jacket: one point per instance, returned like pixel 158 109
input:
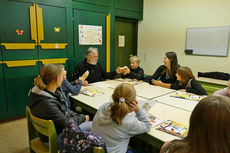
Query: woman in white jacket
pixel 116 122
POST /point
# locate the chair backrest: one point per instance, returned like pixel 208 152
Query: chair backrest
pixel 45 127
pixel 98 150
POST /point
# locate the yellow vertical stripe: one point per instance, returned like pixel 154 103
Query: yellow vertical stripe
pixel 33 26
pixel 39 23
pixel 108 43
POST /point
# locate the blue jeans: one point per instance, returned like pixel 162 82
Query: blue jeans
pixel 86 126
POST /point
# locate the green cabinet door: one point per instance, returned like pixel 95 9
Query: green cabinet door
pixel 94 19
pixel 18 80
pixel 55 31
pixel 127 30
pixel 3 107
pixel 15 28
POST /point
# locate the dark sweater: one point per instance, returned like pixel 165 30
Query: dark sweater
pixel 164 77
pixel 52 106
pixel 135 74
pixel 96 72
pixel 192 86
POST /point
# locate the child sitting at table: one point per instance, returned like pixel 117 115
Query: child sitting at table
pixel 116 121
pixel 134 72
pixel 223 92
pixel 71 87
pixel 208 130
pixel 186 81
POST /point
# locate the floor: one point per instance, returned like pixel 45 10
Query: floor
pixel 14 137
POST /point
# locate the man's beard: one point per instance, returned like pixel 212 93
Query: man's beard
pixel 94 63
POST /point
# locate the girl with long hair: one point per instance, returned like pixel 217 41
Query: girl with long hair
pixel 166 73
pixel 187 82
pixel 47 101
pixel 116 122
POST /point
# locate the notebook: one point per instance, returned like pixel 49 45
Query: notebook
pixel 174 128
pixel 189 96
pixel 91 92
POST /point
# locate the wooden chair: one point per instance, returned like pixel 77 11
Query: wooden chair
pixel 46 127
pixel 98 150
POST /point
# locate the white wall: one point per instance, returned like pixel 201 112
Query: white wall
pixel 164 29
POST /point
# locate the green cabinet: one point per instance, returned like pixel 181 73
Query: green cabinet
pixel 3 106
pixel 16 29
pixel 18 80
pixel 89 18
pixel 23 50
pixel 55 32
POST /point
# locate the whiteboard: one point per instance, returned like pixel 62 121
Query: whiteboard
pixel 208 40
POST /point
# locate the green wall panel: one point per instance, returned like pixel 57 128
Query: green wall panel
pixel 54 17
pixel 95 2
pixel 18 80
pixel 13 16
pixel 89 18
pixel 132 5
pixel 19 54
pixel 3 107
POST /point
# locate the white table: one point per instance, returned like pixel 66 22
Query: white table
pixel 183 104
pixel 150 91
pixel 166 108
pixel 167 112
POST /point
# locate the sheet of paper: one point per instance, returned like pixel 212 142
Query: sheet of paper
pixel 101 85
pixel 146 104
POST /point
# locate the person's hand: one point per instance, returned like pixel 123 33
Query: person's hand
pixel 118 70
pixel 127 71
pixel 163 146
pixel 85 83
pixel 182 90
pixel 76 81
pixel 86 118
pixel 81 78
pixel 133 106
pixel 156 82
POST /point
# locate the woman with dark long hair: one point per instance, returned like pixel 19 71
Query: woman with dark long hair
pixel 208 131
pixel 166 73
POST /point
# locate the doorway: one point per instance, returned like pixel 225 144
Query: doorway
pixel 125 44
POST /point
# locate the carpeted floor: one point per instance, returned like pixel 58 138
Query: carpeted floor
pixel 14 137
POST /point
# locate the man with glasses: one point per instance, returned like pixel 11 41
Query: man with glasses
pixel 96 71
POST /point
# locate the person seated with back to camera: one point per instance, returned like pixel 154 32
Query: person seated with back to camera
pixel 134 72
pixel 47 101
pixel 166 73
pixel 187 82
pixel 96 71
pixel 73 87
pixel 208 129
pixel 115 121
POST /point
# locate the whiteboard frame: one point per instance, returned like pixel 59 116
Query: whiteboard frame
pixel 225 45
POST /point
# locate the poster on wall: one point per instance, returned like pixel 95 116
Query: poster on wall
pixel 90 35
pixel 121 41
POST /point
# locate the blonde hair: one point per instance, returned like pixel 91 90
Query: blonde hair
pixel 185 73
pixel 48 73
pixel 135 58
pixel 120 108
